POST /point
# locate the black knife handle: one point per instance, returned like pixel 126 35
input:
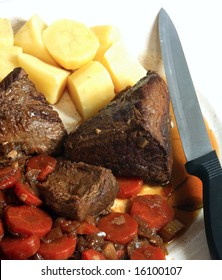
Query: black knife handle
pixel 208 169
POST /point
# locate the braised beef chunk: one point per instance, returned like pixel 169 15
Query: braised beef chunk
pixel 131 135
pixel 27 123
pixel 77 190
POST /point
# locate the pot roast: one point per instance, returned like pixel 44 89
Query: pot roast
pixel 78 190
pixel 28 125
pixel 131 135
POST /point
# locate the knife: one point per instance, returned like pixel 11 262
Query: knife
pixel 202 160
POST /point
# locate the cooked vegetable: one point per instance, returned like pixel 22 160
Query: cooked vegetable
pixel 109 251
pixel 92 254
pixel 86 228
pixel 153 209
pixel 29 37
pixel 43 164
pixel 6 32
pixel 124 70
pixel 129 187
pixel 8 177
pixel 20 248
pixel 107 35
pixel 48 79
pixel 8 59
pixel 171 229
pixel 72 44
pixel 119 227
pixel 58 249
pixel 148 252
pixel 27 195
pixel 90 88
pixel 27 220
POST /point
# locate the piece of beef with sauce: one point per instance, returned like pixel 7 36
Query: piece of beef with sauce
pixel 79 190
pixel 28 124
pixel 131 135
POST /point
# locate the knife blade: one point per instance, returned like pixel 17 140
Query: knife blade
pixel 202 160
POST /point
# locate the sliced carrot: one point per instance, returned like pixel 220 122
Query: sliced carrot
pixel 119 227
pixel 86 228
pixel 148 252
pixel 59 249
pixel 188 195
pixel 129 187
pixel 43 163
pixel 27 195
pixel 8 177
pixel 153 209
pixel 91 254
pixel 20 248
pixel 26 220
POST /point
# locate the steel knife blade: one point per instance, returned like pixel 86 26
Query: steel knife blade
pixel 202 160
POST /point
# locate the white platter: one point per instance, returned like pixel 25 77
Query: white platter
pixel 198 24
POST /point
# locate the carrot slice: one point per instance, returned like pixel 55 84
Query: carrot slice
pixel 20 248
pixel 148 252
pixel 119 227
pixel 129 187
pixel 86 228
pixel 153 209
pixel 27 220
pixel 8 177
pixel 43 163
pixel 27 195
pixel 59 249
pixel 92 254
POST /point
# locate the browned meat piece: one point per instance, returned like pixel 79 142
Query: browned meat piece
pixel 130 136
pixel 27 123
pixel 77 190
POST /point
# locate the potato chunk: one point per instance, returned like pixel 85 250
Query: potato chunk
pixel 123 68
pixel 90 88
pixel 48 79
pixel 8 59
pixel 6 32
pixel 72 44
pixel 107 35
pixel 29 37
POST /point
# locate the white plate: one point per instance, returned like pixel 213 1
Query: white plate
pixel 198 24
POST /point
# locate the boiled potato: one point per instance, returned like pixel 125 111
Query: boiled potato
pixel 107 35
pixel 90 88
pixel 72 44
pixel 6 32
pixel 48 79
pixel 29 37
pixel 123 68
pixel 8 59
